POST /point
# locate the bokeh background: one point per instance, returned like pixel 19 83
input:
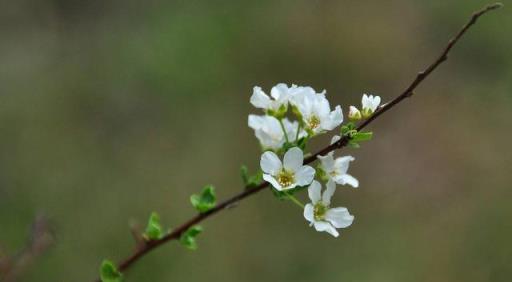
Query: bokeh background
pixel 112 109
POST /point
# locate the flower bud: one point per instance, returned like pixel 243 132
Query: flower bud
pixel 370 104
pixel 354 114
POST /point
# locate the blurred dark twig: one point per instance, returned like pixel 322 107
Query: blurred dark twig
pixel 41 237
pixel 408 92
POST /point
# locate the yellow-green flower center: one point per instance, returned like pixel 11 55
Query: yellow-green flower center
pixel 319 211
pixel 313 122
pixel 285 178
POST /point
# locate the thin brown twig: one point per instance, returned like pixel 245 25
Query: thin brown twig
pixel 136 231
pixel 408 92
pixel 41 238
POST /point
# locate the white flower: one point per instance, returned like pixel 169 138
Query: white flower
pixel 291 130
pixel 288 174
pixel 269 132
pixel 370 104
pixel 299 93
pixel 316 112
pixel 277 102
pixel 320 215
pixel 354 113
pixel 336 169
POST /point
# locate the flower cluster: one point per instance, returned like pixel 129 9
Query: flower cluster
pixel 284 140
pixel 369 106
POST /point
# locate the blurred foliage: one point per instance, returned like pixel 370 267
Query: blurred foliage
pixel 112 109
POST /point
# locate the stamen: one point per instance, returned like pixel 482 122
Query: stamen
pixel 319 211
pixel 285 178
pixel 313 122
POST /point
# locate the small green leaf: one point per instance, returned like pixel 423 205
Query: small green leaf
pixel 287 146
pixel 354 144
pixel 302 142
pixel 109 272
pixel 361 136
pixel 188 238
pixel 255 180
pixel 205 201
pixel 347 128
pixel 250 181
pixel 244 173
pixel 154 228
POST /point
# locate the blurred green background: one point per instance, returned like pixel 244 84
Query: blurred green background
pixel 112 109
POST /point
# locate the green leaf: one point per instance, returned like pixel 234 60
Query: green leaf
pixel 109 272
pixel 205 201
pixel 347 128
pixel 302 142
pixel 255 180
pixel 154 229
pixel 188 238
pixel 354 144
pixel 362 136
pixel 250 181
pixel 244 173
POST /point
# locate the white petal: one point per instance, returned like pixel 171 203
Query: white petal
pixel 341 164
pixel 335 118
pixel 348 179
pixel 353 111
pixel 327 227
pixel 270 163
pixel 375 103
pixel 365 101
pixel 339 217
pixel 304 175
pixel 314 192
pixel 322 105
pixel 293 159
pixel 255 122
pixel 335 139
pixel 270 140
pixel 327 162
pixel 309 213
pixel 259 99
pixel 290 128
pixel 279 92
pixel 293 185
pixel 329 191
pixel 270 179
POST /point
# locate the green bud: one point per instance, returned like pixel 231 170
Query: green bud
pixel 205 201
pixel 109 272
pixel 154 228
pixel 354 114
pixel 250 181
pixel 188 238
pixel 244 173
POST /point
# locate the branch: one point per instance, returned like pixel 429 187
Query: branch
pixel 408 92
pixel 41 238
